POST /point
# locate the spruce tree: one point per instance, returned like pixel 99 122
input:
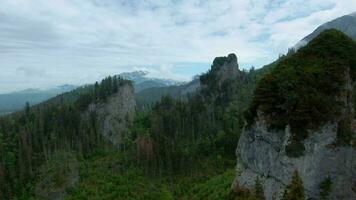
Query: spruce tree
pixel 295 189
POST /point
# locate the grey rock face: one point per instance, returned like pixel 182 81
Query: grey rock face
pixel 229 70
pixel 115 114
pixel 262 153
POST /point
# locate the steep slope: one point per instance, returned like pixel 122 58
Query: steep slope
pixel 345 24
pixel 61 130
pixel 171 148
pixel 115 114
pixel 302 118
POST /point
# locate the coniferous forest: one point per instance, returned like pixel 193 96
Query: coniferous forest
pixel 285 131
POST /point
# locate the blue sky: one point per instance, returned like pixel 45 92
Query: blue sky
pixel 44 43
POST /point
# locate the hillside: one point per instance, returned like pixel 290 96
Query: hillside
pixel 40 147
pixel 90 134
pixel 15 101
pixel 345 24
pixel 301 119
pixel 133 137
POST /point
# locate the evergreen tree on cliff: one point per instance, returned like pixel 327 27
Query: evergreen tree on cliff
pixel 295 189
pixel 259 191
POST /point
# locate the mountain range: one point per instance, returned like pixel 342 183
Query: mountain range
pixel 15 101
pixel 142 80
pixel 282 132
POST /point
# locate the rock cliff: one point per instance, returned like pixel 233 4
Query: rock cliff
pixel 262 153
pixel 115 114
pixel 285 112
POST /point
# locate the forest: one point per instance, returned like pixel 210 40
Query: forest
pixel 176 148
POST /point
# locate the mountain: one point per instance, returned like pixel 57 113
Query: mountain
pixel 55 133
pixel 93 139
pixel 142 81
pixel 345 24
pixel 223 68
pixel 149 96
pixel 15 101
pixel 294 122
pixel 300 124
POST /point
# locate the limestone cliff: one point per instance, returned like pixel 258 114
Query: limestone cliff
pixel 320 124
pixel 262 153
pixel 222 70
pixel 115 114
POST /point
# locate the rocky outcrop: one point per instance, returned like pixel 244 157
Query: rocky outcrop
pixel 226 68
pixel 327 153
pixel 262 153
pixel 115 114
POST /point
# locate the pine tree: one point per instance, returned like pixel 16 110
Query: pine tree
pixel 295 189
pixel 259 190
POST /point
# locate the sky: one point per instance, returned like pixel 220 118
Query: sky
pixel 46 43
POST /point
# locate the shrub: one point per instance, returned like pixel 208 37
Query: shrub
pixel 295 149
pixel 325 188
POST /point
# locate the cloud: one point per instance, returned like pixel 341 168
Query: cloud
pixel 31 72
pixel 80 41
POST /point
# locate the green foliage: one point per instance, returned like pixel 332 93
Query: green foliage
pixel 302 89
pixel 178 145
pixel 295 149
pixel 295 189
pixel 216 188
pixel 100 92
pixel 325 188
pixel 345 134
pixel 108 177
pixel 165 194
pixel 34 136
pixel 57 174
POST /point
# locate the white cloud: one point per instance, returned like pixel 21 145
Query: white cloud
pixel 79 41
